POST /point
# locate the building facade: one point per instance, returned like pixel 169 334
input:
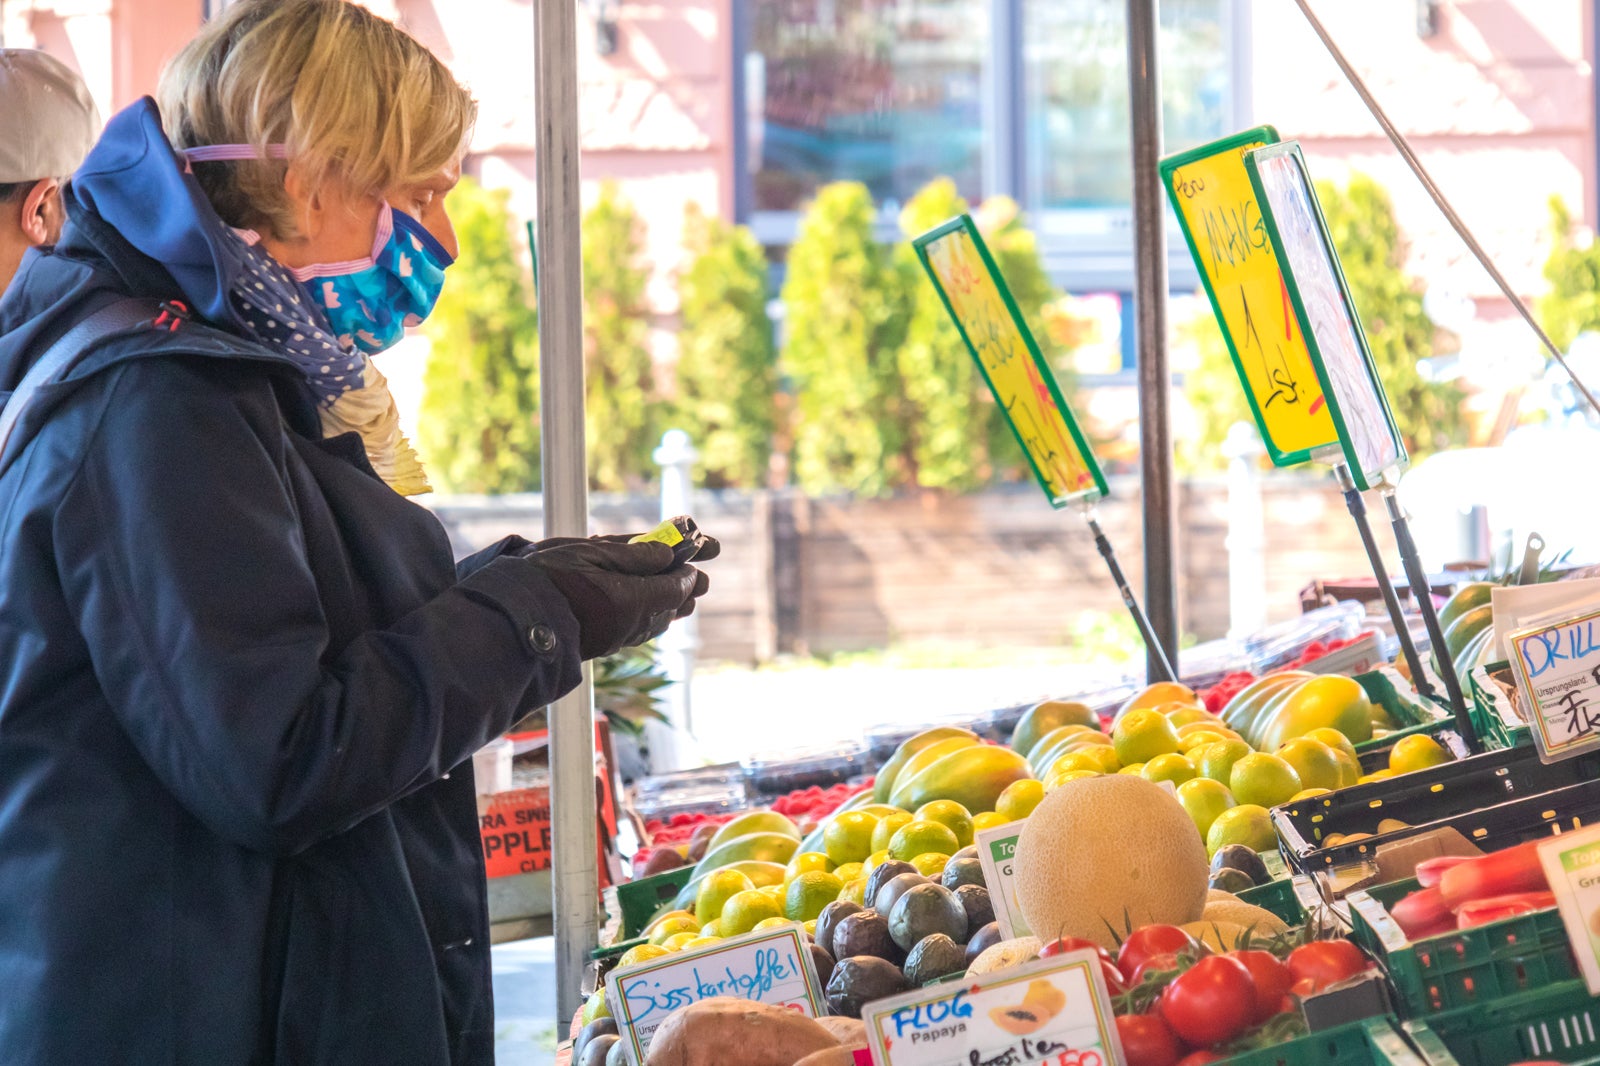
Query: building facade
pixel 745 107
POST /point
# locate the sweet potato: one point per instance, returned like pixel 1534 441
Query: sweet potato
pixel 845 1030
pixel 834 1056
pixel 707 1032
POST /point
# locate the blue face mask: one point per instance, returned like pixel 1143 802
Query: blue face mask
pixel 370 301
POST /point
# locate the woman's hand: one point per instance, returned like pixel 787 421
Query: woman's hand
pixel 622 594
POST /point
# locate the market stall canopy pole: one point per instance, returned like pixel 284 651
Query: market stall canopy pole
pixel 1150 305
pixel 566 490
pixel 1404 148
pixel 1422 592
pixel 1380 573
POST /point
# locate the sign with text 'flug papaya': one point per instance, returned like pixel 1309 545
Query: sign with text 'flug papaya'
pixel 1221 221
pixel 1023 384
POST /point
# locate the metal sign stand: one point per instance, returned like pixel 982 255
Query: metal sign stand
pixel 1380 572
pixel 575 864
pixel 1160 667
pixel 1422 592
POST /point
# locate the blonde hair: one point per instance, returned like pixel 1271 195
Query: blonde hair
pixel 355 99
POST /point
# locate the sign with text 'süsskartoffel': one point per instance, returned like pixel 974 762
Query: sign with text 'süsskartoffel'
pixel 1327 317
pixel 1221 221
pixel 986 315
pixel 1557 666
pixel 1054 1012
pixel 772 967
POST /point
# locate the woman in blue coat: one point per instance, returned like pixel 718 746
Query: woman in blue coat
pixel 241 678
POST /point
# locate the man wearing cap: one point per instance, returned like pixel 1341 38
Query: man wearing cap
pixel 48 123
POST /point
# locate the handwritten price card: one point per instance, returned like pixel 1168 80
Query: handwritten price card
pixel 772 967
pixel 1055 1011
pixel 984 312
pixel 1221 221
pixel 1349 379
pixel 1557 665
pixel 997 848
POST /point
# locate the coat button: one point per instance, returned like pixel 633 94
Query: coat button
pixel 543 639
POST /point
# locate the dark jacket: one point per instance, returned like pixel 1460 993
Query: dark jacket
pixel 242 683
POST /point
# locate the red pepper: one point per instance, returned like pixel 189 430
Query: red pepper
pixel 1423 914
pixel 1430 870
pixel 1484 911
pixel 1502 873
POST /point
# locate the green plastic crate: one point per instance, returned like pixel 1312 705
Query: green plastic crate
pixel 1560 1023
pixel 1281 898
pixel 1369 1042
pixel 1464 968
pixel 1411 713
pixel 639 900
pixel 1492 713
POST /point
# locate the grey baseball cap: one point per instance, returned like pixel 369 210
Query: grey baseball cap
pixel 48 121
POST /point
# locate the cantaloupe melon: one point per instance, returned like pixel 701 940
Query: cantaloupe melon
pixel 1103 855
pixel 1258 920
pixel 1221 936
pixel 1006 954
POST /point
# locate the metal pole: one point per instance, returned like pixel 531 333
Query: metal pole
pixel 1162 669
pixel 1422 592
pixel 575 872
pixel 1150 307
pixel 1380 573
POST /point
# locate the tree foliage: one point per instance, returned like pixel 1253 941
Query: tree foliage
pixel 726 376
pixel 619 382
pixel 1573 303
pixel 478 427
pixel 1362 222
pixel 846 317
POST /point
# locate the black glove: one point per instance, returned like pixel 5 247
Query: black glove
pixel 709 549
pixel 622 594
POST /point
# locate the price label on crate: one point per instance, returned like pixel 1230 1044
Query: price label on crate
pixel 771 967
pixel 1572 865
pixel 1055 1011
pixel 1557 665
pixel 997 848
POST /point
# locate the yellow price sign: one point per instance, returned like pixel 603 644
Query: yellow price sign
pixel 1221 219
pixel 1023 384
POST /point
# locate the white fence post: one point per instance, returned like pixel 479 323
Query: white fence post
pixel 1247 567
pixel 677 646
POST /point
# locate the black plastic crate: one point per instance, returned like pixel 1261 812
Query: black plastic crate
pixel 1461 794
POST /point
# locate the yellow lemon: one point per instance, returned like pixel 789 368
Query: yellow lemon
pixel 848 837
pixel 640 953
pixel 1316 764
pixel 1349 769
pixel 1205 800
pixel 741 913
pixel 672 914
pixel 1263 780
pixel 769 923
pixel 887 827
pixel 809 893
pixel 855 892
pixel 676 941
pixel 1019 799
pixel 1136 769
pixel 1247 824
pixel 1064 778
pixel 950 814
pixel 918 838
pixel 671 927
pixel 805 862
pixel 1171 767
pixel 1216 760
pixel 1335 740
pixel 848 872
pixel 702 942
pixel 1376 775
pixel 595 1006
pixel 1142 735
pixel 930 864
pixel 1309 793
pixel 988 820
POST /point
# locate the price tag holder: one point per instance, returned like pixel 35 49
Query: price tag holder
pixel 1572 865
pixel 997 848
pixel 773 967
pixel 1054 1011
pixel 1557 666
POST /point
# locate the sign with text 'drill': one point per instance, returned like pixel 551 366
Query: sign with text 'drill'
pixel 1217 210
pixel 1023 384
pixel 1557 665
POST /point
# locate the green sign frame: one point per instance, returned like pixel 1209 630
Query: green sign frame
pixel 1365 478
pixel 1030 444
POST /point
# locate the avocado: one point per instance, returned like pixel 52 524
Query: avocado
pixel 1229 879
pixel 934 957
pixel 982 941
pixel 924 910
pixel 974 899
pixel 596 1050
pixel 822 962
pixel 886 897
pixel 829 920
pixel 882 874
pixel 597 1028
pixel 861 980
pixel 1241 858
pixel 958 872
pixel 866 933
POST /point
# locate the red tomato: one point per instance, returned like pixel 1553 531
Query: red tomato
pixel 1148 1041
pixel 1211 1002
pixel 1271 978
pixel 1151 940
pixel 1062 945
pixel 1115 983
pixel 1324 963
pixel 1199 1058
pixel 1167 960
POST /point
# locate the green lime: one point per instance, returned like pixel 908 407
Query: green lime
pixel 809 893
pixel 919 838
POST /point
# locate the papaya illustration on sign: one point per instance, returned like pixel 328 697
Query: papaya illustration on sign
pixel 1221 220
pixel 986 315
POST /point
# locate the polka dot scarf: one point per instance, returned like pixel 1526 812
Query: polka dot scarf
pixel 353 397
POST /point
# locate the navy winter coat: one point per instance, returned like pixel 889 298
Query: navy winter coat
pixel 240 684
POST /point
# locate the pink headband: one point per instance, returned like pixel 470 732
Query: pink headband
pixel 217 153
